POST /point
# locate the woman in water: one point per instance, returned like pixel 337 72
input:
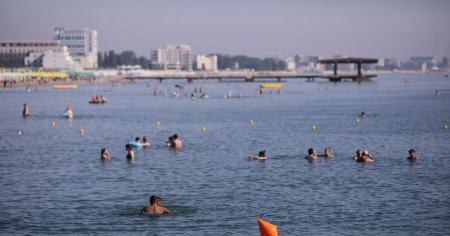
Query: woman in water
pixel 130 152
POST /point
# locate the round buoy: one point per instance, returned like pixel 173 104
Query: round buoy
pixel 203 129
pixel 53 124
pixel 445 126
pixel 357 120
pixel 81 131
pixel 157 123
pixel 313 127
pixel 251 122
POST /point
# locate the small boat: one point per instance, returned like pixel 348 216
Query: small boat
pixel 271 85
pixel 65 86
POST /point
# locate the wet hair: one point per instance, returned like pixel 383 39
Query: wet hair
pixel 128 146
pixel 412 150
pixel 103 150
pixel 153 199
pixel 137 139
pixel 175 136
pixel 310 151
pixel 145 138
pixel 262 153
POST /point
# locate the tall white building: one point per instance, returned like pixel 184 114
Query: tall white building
pixel 82 45
pixel 172 57
pixel 208 63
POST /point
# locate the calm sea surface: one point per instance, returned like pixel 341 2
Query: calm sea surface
pixel 53 182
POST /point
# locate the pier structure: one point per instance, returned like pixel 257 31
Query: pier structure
pixel 349 60
pixel 251 75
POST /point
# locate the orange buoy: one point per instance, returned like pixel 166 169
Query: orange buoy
pixel 266 228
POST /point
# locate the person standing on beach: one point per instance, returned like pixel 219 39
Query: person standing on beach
pixel 26 111
pixel 155 207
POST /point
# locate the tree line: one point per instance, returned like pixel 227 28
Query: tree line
pixel 112 59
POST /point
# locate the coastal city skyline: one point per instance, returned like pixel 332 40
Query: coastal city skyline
pixel 260 29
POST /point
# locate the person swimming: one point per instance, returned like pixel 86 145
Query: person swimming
pixel 359 153
pixel 261 156
pixel 327 153
pixel 366 157
pixel 137 140
pixel 412 155
pixel 155 207
pixel 26 111
pixel 146 142
pixel 105 155
pixel 130 152
pixel 176 142
pixel 312 155
pixel 69 113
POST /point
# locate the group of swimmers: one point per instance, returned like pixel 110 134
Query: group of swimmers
pixel 361 156
pixel 173 142
pixel 98 99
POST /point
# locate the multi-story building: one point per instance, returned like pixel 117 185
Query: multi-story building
pixel 33 54
pixel 208 63
pixel 290 64
pixel 172 57
pixel 82 45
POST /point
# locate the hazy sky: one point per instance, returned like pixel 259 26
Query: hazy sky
pixel 377 28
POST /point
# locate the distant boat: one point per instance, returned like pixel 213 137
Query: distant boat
pixel 65 86
pixel 271 85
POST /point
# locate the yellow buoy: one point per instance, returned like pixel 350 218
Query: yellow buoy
pixel 357 120
pixel 53 124
pixel 445 126
pixel 81 131
pixel 203 129
pixel 251 122
pixel 157 123
pixel 313 127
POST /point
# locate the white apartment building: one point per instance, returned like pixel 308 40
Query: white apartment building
pixel 172 57
pixel 82 45
pixel 208 63
pixel 34 54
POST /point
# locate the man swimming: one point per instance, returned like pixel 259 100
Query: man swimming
pixel 311 154
pixel 412 155
pixel 261 156
pixel 155 207
pixel 366 157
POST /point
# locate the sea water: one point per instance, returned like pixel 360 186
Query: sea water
pixel 53 182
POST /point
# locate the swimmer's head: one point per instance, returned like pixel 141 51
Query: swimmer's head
pixel 103 150
pixel 137 139
pixel 411 151
pixel 311 151
pixel 175 136
pixel 154 199
pixel 145 139
pixel 128 147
